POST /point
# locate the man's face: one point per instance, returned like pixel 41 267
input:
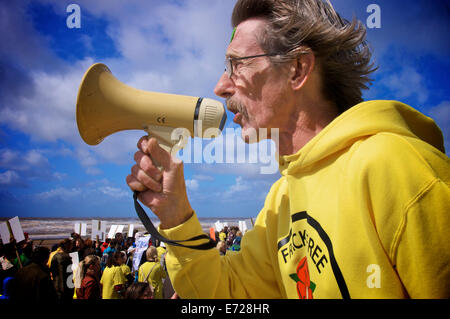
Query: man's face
pixel 257 93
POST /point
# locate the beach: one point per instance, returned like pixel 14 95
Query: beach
pixel 48 231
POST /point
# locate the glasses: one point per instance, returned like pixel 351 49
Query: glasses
pixel 229 61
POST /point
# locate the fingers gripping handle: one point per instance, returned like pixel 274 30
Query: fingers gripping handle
pixel 169 139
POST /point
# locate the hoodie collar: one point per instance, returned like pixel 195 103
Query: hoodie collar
pixel 363 120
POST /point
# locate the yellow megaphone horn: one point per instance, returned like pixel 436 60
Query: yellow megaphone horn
pixel 105 106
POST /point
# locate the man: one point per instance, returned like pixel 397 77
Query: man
pixel 59 270
pixel 361 209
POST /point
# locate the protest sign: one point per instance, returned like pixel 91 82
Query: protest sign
pixel 119 229
pixel 16 229
pixel 112 231
pixel 131 230
pixel 141 247
pixel 83 229
pixel 212 233
pixel 218 225
pixel 243 226
pixel 4 233
pixel 98 229
pixel 77 228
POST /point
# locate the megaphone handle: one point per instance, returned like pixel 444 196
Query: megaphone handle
pixel 165 147
pixel 163 135
pixel 163 142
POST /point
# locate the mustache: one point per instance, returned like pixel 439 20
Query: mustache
pixel 235 106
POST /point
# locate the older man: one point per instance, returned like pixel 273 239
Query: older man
pixel 361 209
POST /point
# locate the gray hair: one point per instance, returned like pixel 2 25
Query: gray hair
pixel 295 27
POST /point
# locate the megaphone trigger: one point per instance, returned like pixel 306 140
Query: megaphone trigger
pixel 169 139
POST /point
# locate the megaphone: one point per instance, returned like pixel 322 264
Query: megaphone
pixel 105 106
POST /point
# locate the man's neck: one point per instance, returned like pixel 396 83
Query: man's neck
pixel 306 124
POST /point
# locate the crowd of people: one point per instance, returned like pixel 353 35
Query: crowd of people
pixel 105 269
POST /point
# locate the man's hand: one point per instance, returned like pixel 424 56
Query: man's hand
pixel 164 192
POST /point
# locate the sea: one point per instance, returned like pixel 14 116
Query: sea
pixel 43 228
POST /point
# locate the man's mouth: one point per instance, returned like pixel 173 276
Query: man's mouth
pixel 237 117
pixel 236 109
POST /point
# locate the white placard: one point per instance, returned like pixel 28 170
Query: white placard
pixel 243 226
pixel 83 229
pixel 112 231
pixel 130 230
pixel 16 229
pixel 218 225
pixel 103 225
pixel 119 229
pixel 75 260
pixel 98 229
pixel 4 232
pixel 76 228
pixel 141 247
pixel 95 230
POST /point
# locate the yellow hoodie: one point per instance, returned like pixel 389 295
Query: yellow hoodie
pixel 361 211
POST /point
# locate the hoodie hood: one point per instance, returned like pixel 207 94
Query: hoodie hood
pixel 361 121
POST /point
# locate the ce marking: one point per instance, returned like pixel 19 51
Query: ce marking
pixel 161 120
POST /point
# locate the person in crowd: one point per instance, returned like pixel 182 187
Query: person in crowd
pixel 7 254
pixel 98 248
pixel 230 237
pixel 105 245
pixel 222 247
pixel 88 243
pixel 126 269
pixel 139 290
pixel 112 280
pixel 32 283
pixel 58 249
pixel 79 247
pixel 152 272
pixel 90 278
pixel 363 183
pixel 60 271
pixel 236 246
pixel 223 234
pixel 119 241
pixel 111 247
pixel 25 249
pixel 161 248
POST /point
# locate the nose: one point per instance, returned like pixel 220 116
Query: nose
pixel 224 87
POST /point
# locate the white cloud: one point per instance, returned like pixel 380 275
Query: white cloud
pixel 60 193
pixel 114 192
pixel 201 177
pixel 192 184
pixel 48 114
pixel 10 178
pixel 32 162
pixel 406 84
pixel 237 189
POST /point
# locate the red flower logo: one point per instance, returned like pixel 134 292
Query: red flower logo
pixel 305 287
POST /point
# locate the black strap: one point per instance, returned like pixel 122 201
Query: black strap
pixel 154 232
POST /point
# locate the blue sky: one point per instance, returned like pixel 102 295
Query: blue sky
pixel 174 47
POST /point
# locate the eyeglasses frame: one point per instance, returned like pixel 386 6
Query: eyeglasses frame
pixel 229 61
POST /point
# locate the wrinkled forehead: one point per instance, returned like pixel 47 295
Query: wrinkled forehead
pixel 245 39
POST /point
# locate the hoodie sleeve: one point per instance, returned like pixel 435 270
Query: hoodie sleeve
pixel 406 185
pixel 421 247
pixel 205 274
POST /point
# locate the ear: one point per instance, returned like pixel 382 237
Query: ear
pixel 300 70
